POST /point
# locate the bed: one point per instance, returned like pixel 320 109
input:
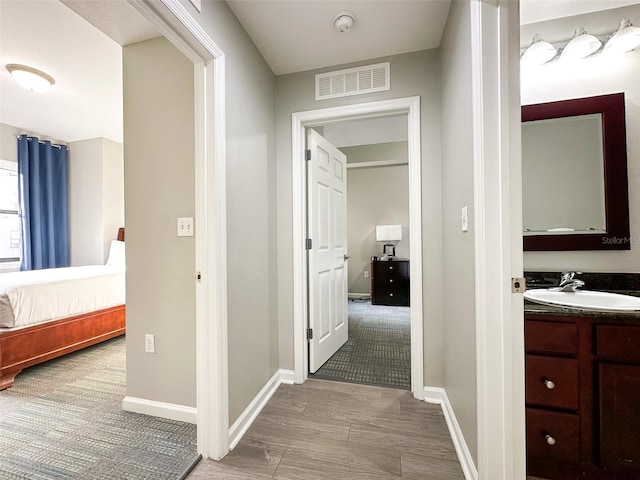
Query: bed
pixel 49 313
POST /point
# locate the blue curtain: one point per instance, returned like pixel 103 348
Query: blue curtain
pixel 43 190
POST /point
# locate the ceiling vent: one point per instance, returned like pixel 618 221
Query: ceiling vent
pixel 353 81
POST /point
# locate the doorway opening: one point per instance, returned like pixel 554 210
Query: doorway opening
pixel 374 344
pixel 409 108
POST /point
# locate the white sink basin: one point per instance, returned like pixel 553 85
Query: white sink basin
pixel 585 300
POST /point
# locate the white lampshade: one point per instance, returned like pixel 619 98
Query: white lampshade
pixel 625 39
pixel 581 46
pixel 388 233
pixel 539 52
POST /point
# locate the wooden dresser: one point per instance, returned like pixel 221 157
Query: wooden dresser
pixel 583 396
pixel 390 282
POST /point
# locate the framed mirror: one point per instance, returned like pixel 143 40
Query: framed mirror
pixel 574 175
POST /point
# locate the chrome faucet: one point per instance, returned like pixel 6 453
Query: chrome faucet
pixel 568 283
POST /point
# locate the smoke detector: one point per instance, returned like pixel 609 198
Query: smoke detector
pixel 343 22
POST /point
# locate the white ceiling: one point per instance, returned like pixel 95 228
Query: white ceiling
pixel 79 44
pixel 86 100
pixel 297 35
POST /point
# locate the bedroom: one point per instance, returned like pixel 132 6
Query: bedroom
pixel 65 116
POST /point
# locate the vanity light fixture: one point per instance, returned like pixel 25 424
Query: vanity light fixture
pixel 581 46
pixel 30 78
pixel 625 39
pixel 539 52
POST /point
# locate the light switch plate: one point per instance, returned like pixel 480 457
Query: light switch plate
pixel 185 227
pixel 464 219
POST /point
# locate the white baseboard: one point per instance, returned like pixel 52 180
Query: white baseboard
pixel 160 409
pixel 439 396
pixel 246 418
pixel 286 376
pixel 358 295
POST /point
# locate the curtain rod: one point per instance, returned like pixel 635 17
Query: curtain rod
pixel 55 145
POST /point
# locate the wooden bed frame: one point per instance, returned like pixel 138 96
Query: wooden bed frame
pixel 24 347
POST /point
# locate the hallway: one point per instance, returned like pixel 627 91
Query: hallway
pixel 334 430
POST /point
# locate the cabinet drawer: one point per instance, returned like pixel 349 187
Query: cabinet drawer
pixel 551 337
pixel 616 342
pixel 401 268
pixel 392 297
pixel 552 382
pixel 553 436
pixel 391 281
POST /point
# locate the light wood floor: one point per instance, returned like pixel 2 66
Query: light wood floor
pixel 333 430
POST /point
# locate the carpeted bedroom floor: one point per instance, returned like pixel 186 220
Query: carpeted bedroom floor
pixel 63 420
pixel 378 351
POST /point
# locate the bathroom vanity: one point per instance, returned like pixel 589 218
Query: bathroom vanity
pixel 582 394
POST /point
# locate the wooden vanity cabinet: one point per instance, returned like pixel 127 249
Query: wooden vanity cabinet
pixel 583 396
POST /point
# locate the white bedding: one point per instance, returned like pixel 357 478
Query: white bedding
pixel 37 296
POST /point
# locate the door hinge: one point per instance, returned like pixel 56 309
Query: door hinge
pixel 308 244
pixel 198 276
pixel 307 155
pixel 518 285
pixel 309 333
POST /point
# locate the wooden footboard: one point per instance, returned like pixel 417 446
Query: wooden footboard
pixel 24 347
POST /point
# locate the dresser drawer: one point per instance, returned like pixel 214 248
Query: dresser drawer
pixel 553 436
pixel 552 381
pixel 388 296
pixel 551 337
pixel 391 267
pixel 618 342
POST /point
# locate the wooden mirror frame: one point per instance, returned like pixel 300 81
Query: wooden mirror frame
pixel 616 189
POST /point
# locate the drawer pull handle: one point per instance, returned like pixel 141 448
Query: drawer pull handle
pixel 549 384
pixel 390 267
pixel 391 280
pixel 391 294
pixel 550 440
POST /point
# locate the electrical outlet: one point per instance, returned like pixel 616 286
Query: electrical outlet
pixel 149 343
pixel 464 220
pixel 185 227
pixel 366 274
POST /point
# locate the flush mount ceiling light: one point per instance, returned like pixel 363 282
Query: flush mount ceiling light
pixel 30 78
pixel 344 21
pixel 625 39
pixel 539 52
pixel 581 45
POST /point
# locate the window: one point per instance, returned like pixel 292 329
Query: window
pixel 9 216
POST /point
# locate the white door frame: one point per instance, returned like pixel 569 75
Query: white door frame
pixel 302 120
pixel 173 21
pixel 498 239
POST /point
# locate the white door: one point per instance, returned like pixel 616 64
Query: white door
pixel 327 229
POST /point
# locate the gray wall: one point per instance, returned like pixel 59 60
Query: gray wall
pixel 159 187
pixel 458 252
pixel 96 198
pixel 96 192
pixel 412 74
pixel 375 196
pixel 251 206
